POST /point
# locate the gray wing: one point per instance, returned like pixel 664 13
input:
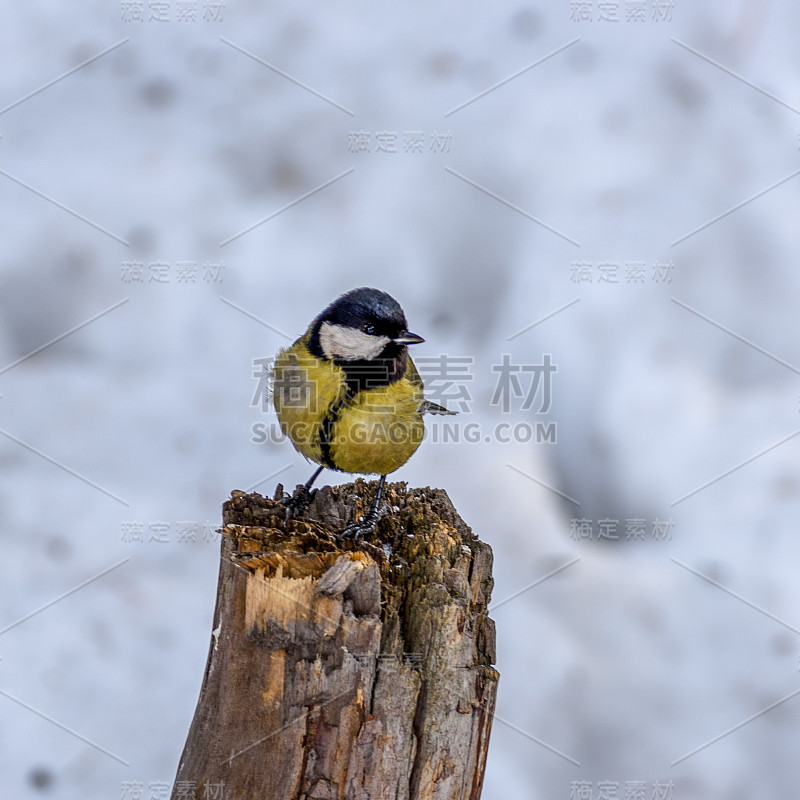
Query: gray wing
pixel 429 407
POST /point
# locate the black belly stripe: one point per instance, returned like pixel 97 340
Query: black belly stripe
pixel 326 430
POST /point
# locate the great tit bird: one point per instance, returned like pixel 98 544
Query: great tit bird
pixel 349 397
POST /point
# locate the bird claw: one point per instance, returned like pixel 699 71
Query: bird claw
pixel 297 503
pixel 365 526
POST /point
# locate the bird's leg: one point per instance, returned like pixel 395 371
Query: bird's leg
pixel 303 495
pixel 368 522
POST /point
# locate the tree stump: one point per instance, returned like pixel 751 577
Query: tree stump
pixel 351 670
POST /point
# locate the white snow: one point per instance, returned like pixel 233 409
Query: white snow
pixel 624 142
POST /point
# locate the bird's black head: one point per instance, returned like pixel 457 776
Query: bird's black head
pixel 361 325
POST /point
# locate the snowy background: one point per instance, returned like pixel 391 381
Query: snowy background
pixel 128 335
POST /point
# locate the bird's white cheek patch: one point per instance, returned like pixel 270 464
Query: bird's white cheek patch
pixel 349 344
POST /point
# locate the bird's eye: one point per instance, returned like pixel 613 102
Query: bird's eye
pixel 369 328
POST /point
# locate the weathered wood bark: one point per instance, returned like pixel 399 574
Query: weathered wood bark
pixel 346 671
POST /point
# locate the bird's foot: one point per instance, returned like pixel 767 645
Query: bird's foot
pixel 366 525
pixel 297 503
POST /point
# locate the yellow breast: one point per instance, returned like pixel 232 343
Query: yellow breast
pixel 379 430
pixel 305 388
pixel 375 431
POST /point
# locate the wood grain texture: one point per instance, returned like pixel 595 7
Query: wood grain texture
pixel 352 670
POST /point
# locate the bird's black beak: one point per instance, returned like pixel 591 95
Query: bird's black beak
pixel 406 337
